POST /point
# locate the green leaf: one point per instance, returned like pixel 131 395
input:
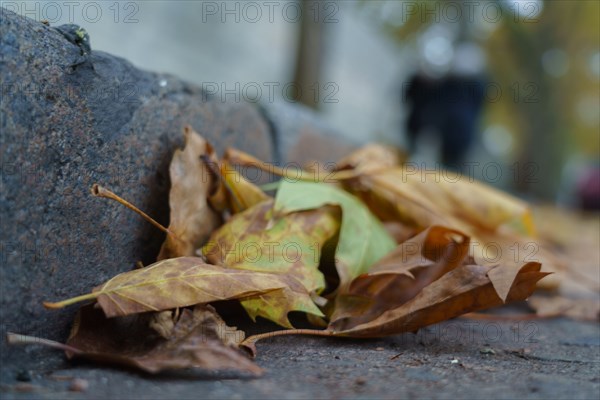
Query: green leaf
pixel 363 239
pixel 276 305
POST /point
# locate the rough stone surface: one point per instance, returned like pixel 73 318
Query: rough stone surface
pixel 66 127
pixel 67 122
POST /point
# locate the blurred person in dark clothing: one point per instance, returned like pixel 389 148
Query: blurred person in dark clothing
pixel 446 95
pixel 450 106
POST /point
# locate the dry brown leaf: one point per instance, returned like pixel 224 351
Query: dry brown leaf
pixel 494 220
pixel 199 339
pixel 405 193
pixel 192 219
pixel 179 282
pixel 400 194
pixel 402 274
pixel 464 289
pixel 163 323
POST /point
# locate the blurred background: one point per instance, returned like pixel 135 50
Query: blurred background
pixel 507 90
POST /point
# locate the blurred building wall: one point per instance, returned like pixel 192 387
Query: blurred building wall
pixel 240 49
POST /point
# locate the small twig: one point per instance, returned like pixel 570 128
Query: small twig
pixel 312 332
pixel 244 159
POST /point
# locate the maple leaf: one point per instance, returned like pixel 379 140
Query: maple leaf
pixel 426 280
pixel 430 276
pixel 363 239
pixel 257 240
pixel 178 282
pixel 464 289
pixel 396 191
pixel 402 274
pixel 407 196
pixel 512 250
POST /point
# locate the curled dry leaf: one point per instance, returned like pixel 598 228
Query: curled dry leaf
pixel 163 322
pixel 423 198
pixel 192 219
pixel 363 239
pixel 402 274
pixel 465 289
pixel 424 281
pixel 198 339
pixel 289 245
pixel 418 198
pixel 178 282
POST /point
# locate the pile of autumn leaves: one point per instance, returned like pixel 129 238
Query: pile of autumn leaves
pixel 366 250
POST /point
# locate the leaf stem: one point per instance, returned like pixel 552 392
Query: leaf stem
pixel 507 317
pixel 15 338
pixel 244 159
pixel 311 332
pixel 70 301
pixel 100 191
